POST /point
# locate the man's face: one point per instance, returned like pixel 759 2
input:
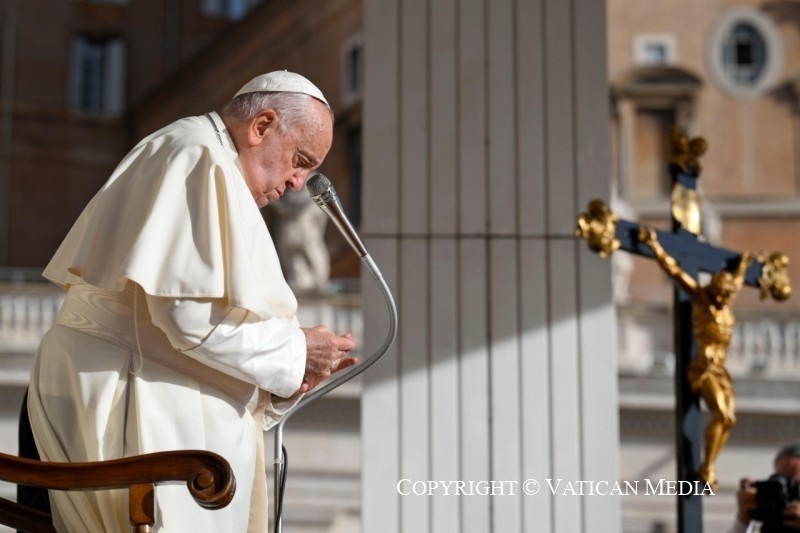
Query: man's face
pixel 281 161
pixel 789 467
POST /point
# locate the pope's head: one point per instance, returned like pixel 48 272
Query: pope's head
pixel 282 127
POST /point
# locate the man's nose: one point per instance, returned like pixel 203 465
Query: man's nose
pixel 297 180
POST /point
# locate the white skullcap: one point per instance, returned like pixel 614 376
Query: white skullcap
pixel 282 81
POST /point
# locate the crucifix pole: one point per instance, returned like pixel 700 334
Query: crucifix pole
pixel 685 220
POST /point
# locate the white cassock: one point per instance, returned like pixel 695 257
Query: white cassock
pixel 178 332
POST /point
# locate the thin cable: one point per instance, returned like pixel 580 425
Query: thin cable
pixel 282 488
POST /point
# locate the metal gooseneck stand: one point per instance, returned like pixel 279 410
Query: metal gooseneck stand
pixel 325 196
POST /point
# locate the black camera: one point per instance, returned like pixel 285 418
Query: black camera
pixel 772 496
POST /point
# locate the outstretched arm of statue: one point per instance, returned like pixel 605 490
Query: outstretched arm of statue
pixel 648 236
pixel 738 276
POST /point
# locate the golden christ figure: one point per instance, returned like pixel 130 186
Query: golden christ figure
pixel 712 321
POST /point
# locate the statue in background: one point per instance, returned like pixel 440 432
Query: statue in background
pixel 301 241
pixel 713 321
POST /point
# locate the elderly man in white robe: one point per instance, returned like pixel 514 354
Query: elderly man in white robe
pixel 178 330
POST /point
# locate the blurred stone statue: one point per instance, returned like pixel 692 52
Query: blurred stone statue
pixel 621 264
pixel 713 322
pixel 301 241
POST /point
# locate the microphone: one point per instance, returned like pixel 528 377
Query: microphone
pixel 324 195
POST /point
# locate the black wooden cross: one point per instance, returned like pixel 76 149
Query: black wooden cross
pixel 605 233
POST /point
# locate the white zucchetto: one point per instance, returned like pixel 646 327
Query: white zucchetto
pixel 283 81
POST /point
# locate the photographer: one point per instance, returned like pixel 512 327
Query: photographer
pixel 753 506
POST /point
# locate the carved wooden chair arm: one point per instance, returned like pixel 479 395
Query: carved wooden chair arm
pixel 208 477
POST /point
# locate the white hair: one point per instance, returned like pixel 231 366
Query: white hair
pixel 291 108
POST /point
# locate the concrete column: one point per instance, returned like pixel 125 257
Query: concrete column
pixel 485 128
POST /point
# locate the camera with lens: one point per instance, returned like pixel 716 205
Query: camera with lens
pixel 772 496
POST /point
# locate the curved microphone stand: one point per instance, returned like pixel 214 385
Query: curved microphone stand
pixel 326 198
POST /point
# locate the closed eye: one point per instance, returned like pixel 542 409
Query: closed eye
pixel 303 160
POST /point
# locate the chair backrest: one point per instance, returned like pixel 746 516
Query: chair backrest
pixel 208 477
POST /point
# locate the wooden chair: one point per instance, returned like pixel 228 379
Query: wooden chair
pixel 208 477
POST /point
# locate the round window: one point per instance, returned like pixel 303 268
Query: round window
pixel 745 52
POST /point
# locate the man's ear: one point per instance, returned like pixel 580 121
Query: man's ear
pixel 261 126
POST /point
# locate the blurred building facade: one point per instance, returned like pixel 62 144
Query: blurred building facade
pixel 78 88
pixel 70 81
pixel 81 86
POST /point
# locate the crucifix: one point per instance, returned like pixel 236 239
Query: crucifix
pixel 703 315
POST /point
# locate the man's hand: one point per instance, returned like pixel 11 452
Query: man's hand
pixel 791 515
pixel 745 501
pixel 326 354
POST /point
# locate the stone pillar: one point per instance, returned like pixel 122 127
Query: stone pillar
pixel 626 142
pixel 486 133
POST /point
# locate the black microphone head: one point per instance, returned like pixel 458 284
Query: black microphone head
pixel 318 184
